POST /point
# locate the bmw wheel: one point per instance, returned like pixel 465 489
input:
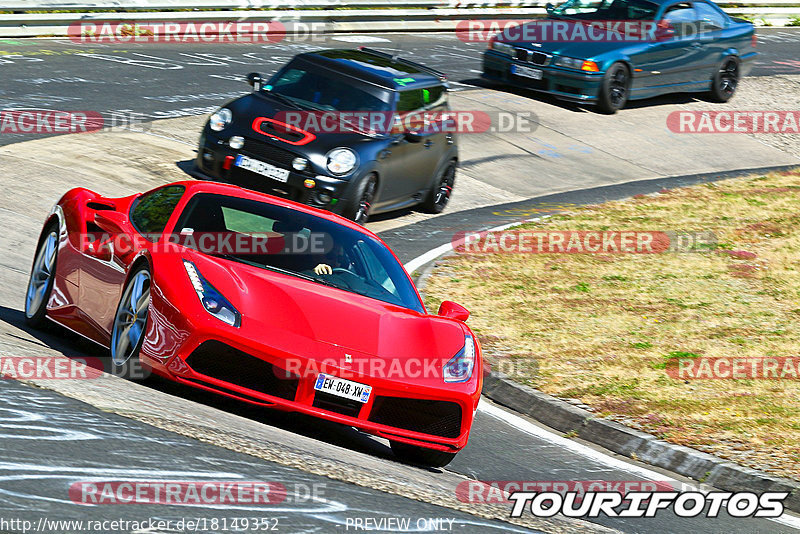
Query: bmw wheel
pixel 130 322
pixel 614 89
pixel 43 274
pixel 439 196
pixel 725 80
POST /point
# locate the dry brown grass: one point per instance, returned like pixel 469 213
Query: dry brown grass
pixel 599 328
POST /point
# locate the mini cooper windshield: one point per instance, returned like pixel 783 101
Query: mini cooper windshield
pixel 315 89
pixel 607 10
pixel 297 244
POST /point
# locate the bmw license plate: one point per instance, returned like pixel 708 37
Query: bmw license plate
pixel 527 72
pixel 262 168
pixel 343 388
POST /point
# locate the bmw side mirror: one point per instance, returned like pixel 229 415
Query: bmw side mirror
pixel 255 80
pixel 549 7
pixel 453 311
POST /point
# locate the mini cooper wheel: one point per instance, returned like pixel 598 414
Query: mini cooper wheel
pixel 614 89
pixel 130 322
pixel 421 455
pixel 43 272
pixel 725 80
pixel 359 206
pixel 439 196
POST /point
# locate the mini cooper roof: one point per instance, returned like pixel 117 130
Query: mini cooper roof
pixel 377 67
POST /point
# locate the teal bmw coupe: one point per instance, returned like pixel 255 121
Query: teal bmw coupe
pixel 608 52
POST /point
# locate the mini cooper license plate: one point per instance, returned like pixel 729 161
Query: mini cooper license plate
pixel 343 388
pixel 527 72
pixel 262 168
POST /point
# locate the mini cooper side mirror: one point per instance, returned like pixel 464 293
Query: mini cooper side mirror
pixel 453 311
pixel 255 80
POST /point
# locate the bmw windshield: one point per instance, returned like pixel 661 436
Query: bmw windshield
pixel 296 244
pixel 606 10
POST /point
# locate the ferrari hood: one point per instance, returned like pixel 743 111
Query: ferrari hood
pixel 295 316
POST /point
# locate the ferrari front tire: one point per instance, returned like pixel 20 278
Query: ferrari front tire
pixel 421 455
pixel 43 273
pixel 130 323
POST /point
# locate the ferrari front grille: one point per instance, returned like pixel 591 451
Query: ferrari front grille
pixel 437 418
pixel 223 362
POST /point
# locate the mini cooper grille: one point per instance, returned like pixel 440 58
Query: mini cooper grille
pixel 531 56
pixel 332 403
pixel 269 153
pixel 437 418
pixel 231 365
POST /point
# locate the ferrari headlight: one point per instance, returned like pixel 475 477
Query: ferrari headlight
pixel 568 62
pixel 341 160
pixel 459 368
pixel 211 299
pixel 220 119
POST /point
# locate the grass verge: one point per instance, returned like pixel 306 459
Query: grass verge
pixel 603 328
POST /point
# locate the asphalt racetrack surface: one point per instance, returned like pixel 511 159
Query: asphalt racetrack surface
pixel 50 441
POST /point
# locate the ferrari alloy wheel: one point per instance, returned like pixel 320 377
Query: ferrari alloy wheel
pixel 359 208
pixel 421 455
pixel 725 80
pixel 130 320
pixel 614 89
pixel 42 277
pixel 439 196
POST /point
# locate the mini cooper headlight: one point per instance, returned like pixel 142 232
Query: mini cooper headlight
pixel 220 119
pixel 459 368
pixel 211 299
pixel 341 160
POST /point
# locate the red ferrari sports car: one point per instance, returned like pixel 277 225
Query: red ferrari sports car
pixel 263 300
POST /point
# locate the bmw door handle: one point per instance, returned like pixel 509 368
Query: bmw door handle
pixel 697 44
pixel 428 143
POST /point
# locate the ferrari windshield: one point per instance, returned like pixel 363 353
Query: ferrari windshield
pixel 295 244
pixel 314 88
pixel 607 10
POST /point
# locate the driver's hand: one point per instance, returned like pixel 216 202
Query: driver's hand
pixel 323 268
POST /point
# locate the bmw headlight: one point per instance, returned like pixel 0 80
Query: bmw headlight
pixel 568 62
pixel 341 160
pixel 503 48
pixel 459 368
pixel 220 119
pixel 211 299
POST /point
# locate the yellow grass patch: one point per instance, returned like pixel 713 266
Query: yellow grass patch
pixel 602 327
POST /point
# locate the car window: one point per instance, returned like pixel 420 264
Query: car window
pixel 151 211
pixel 319 90
pixel 682 17
pixel 421 99
pixel 710 18
pixel 607 10
pixel 359 263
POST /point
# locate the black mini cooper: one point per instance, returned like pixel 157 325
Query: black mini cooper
pixel 338 130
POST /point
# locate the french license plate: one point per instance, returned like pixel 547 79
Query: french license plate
pixel 343 388
pixel 262 168
pixel 527 72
